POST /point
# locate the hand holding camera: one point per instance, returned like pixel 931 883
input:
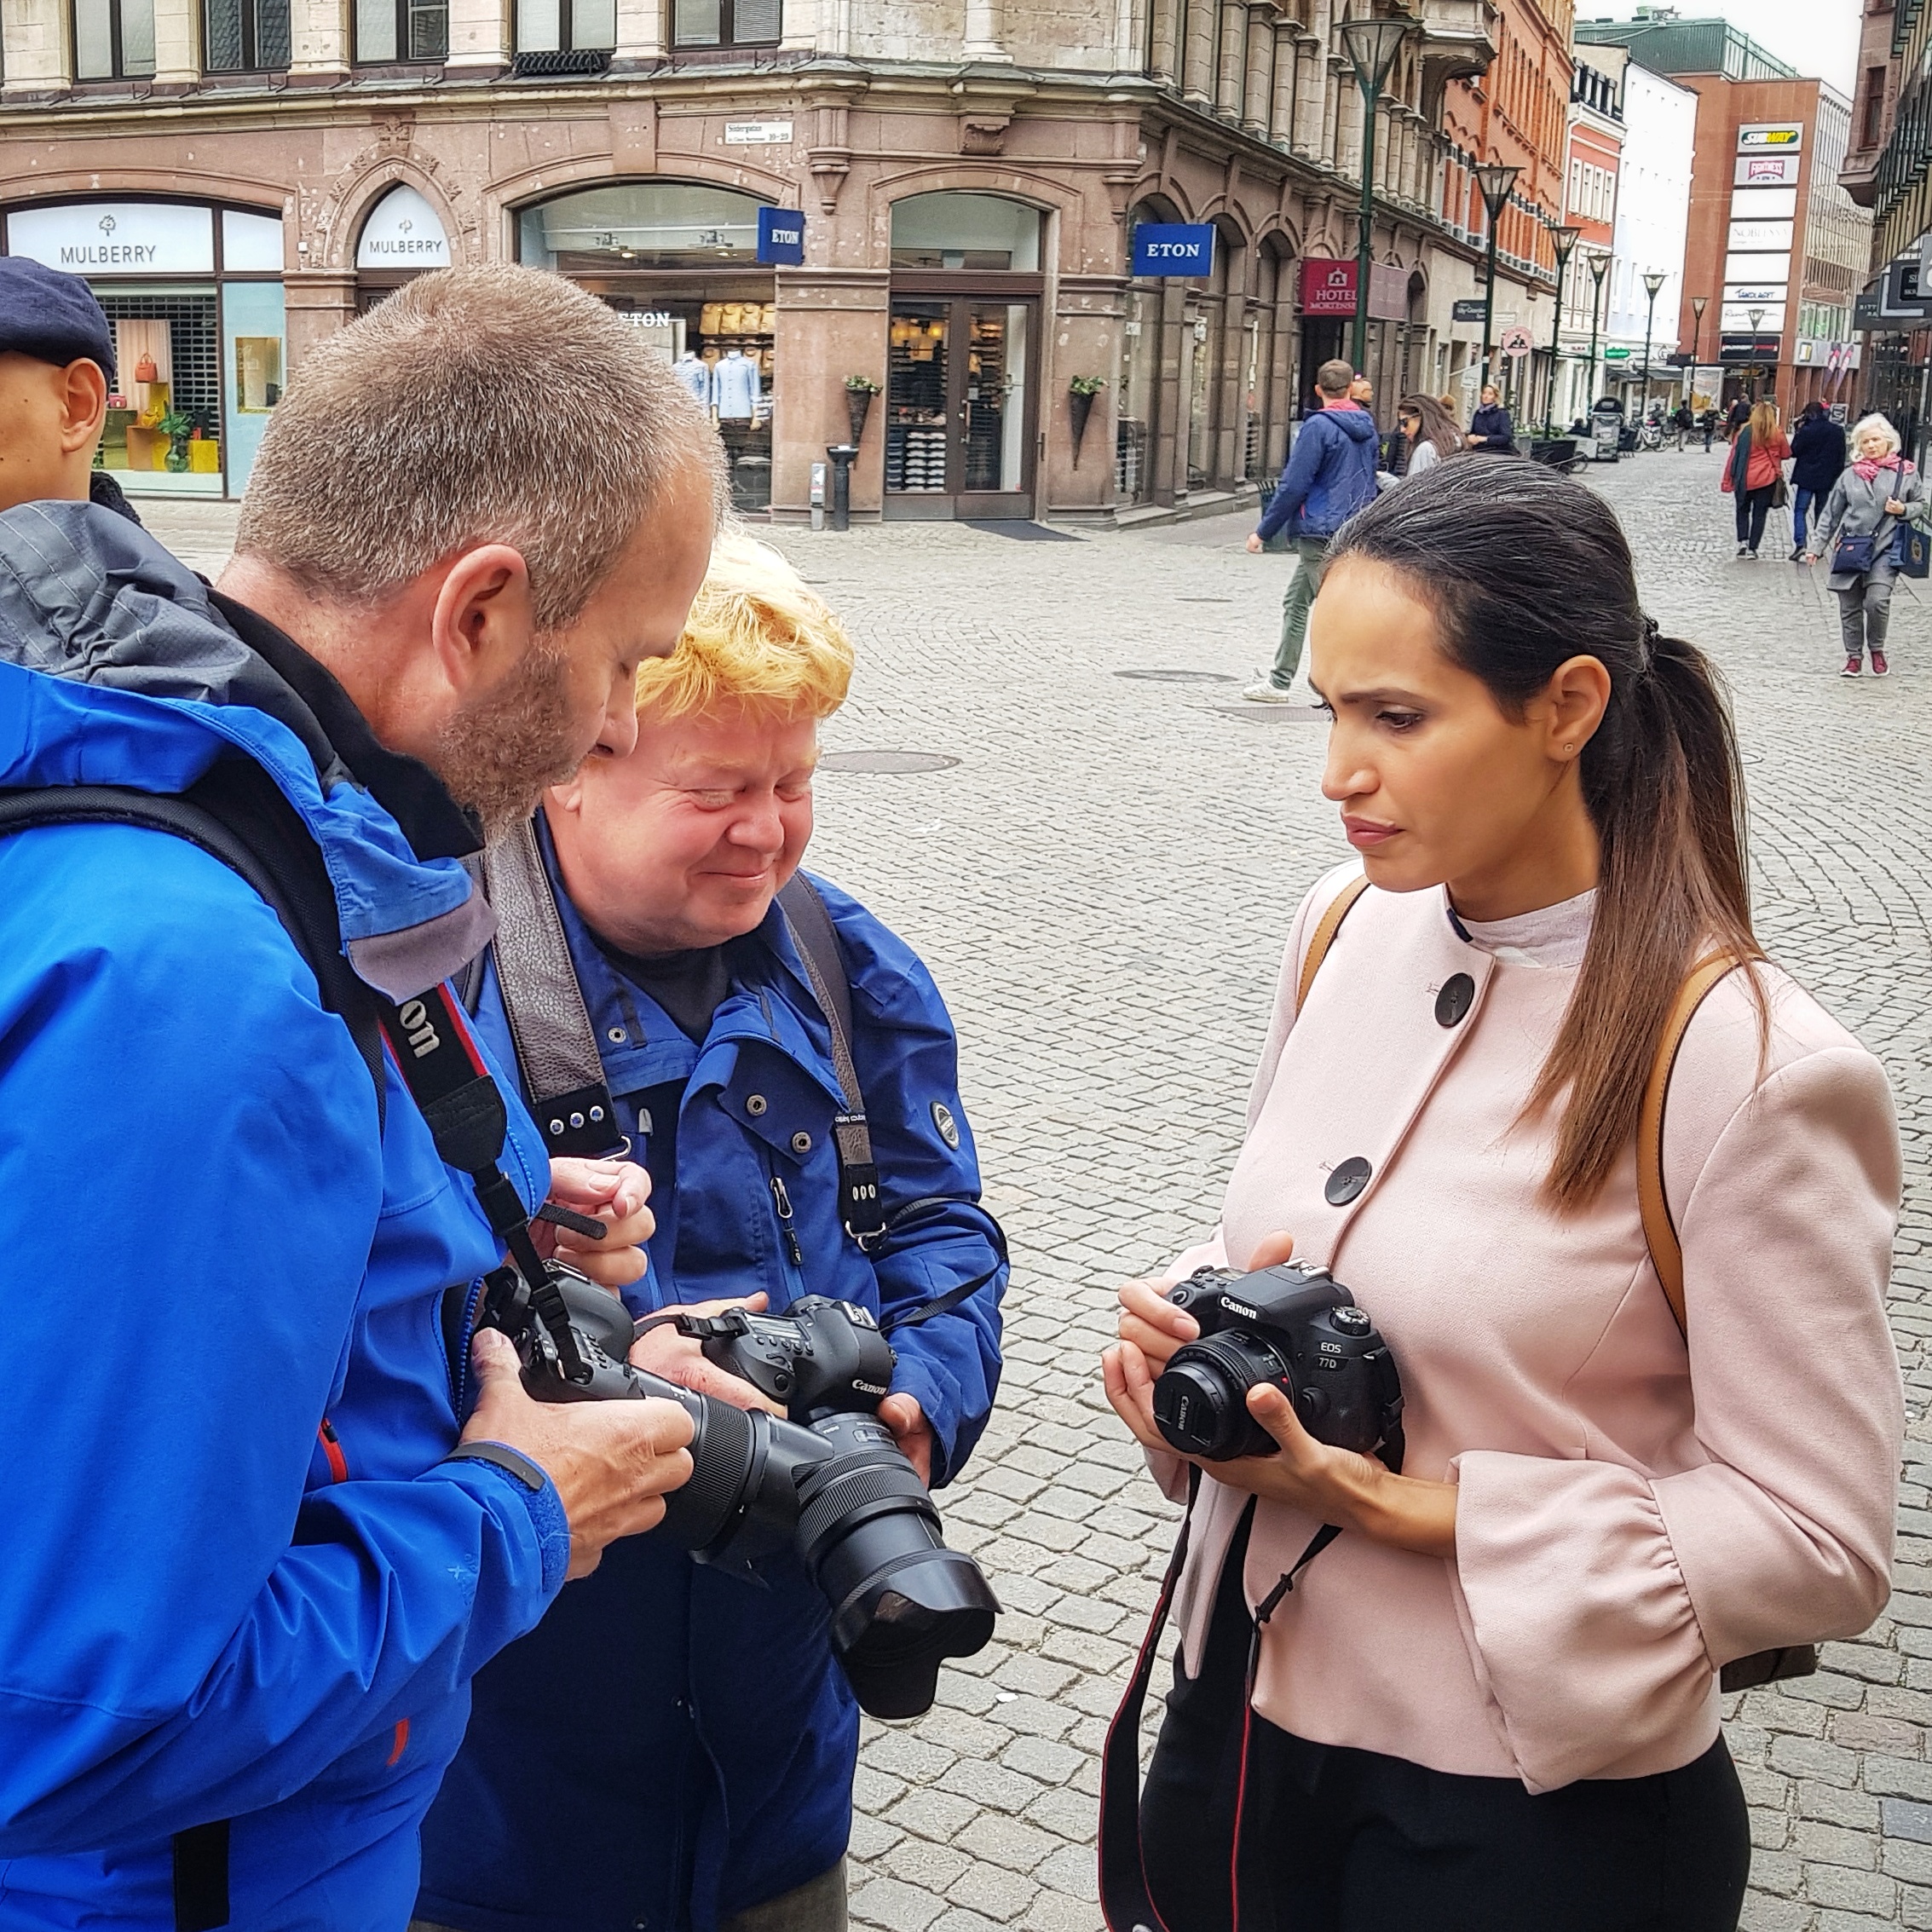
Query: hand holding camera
pixel 1275 1382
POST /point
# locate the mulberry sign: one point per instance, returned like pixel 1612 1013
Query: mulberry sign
pixel 1173 248
pixel 403 231
pixel 106 238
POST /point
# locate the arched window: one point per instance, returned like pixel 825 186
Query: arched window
pixel 949 229
pixel 640 225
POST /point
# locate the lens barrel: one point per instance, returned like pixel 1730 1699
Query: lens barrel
pixel 1201 1398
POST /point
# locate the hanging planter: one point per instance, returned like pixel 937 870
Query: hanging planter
pixel 1081 393
pixel 859 392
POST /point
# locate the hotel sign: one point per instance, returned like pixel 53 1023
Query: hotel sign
pixel 1755 170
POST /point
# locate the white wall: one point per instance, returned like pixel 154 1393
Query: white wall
pixel 1653 205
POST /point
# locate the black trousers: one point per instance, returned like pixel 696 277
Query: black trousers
pixel 1753 507
pixel 1336 1840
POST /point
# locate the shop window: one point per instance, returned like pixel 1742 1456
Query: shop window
pixel 113 39
pixel 562 37
pixel 244 36
pixel 640 225
pixel 165 420
pixel 727 23
pixel 948 230
pixel 391 31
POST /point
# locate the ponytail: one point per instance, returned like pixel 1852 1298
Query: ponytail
pixel 1524 570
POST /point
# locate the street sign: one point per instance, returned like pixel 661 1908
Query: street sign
pixel 781 236
pixel 1514 340
pixel 1475 311
pixel 1615 356
pixel 1173 248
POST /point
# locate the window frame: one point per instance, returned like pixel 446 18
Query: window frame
pixel 251 12
pixel 566 34
pixel 116 43
pixel 727 31
pixel 402 57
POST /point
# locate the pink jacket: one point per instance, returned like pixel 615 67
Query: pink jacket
pixel 1632 1513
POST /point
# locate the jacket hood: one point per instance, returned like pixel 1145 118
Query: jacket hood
pixel 1357 424
pixel 117 669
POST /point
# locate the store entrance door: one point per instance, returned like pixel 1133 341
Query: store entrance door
pixel 959 408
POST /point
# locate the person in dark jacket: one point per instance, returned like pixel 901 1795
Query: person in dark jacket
pixel 1330 475
pixel 1489 429
pixel 1818 460
pixel 699 1776
pixel 269 1515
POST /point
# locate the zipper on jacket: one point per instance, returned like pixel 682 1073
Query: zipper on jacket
pixel 332 1448
pixel 459 1369
pixel 783 1202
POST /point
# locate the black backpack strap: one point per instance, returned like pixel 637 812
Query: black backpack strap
pixel 550 1027
pixel 235 813
pixel 861 1206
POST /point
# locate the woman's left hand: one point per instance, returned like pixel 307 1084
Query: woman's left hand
pixel 611 1191
pixel 1334 1485
pixel 1894 507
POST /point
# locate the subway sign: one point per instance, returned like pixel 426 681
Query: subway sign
pixel 1173 248
pixel 1771 137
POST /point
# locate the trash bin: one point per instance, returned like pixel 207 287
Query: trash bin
pixel 1606 430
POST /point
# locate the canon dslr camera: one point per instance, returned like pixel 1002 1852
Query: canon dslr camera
pixel 1294 1326
pixel 829 1480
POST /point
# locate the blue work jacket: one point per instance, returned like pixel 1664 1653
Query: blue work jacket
pixel 675 1744
pixel 212 1608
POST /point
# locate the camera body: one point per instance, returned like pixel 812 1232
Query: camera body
pixel 839 1491
pixel 820 1357
pixel 1295 1326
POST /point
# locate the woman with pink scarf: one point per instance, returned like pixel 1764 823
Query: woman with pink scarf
pixel 1874 497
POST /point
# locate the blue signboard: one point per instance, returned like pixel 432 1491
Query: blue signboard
pixel 1173 248
pixel 781 236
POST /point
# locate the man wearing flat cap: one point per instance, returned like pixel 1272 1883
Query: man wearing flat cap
pixel 57 367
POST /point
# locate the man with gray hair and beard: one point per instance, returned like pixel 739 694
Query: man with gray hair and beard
pixel 273 1499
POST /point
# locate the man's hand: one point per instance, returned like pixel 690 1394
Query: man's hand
pixel 680 1359
pixel 612 1463
pixel 611 1191
pixel 1255 546
pixel 902 1415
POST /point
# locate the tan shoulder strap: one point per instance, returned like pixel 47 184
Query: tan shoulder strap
pixel 1660 1231
pixel 1339 909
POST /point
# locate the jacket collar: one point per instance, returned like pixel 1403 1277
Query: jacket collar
pixel 118 668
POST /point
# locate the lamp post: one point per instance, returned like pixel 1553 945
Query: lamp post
pixel 1756 315
pixel 1563 240
pixel 1654 280
pixel 1600 266
pixel 1697 302
pixel 1495 179
pixel 1372 46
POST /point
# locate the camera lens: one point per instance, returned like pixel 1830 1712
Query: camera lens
pixel 1200 1400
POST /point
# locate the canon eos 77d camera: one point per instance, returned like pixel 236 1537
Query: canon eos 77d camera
pixel 1296 1327
pixel 831 1481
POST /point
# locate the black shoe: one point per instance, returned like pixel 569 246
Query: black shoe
pixel 1797 553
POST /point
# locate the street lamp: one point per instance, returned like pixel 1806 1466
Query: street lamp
pixel 1654 280
pixel 1497 179
pixel 1563 241
pixel 1600 266
pixel 1372 46
pixel 1698 303
pixel 1755 316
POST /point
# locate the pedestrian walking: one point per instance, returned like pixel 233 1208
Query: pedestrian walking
pixel 1739 415
pixel 1710 420
pixel 1817 459
pixel 1862 519
pixel 1489 429
pixel 1488 1696
pixel 1755 474
pixel 1430 432
pixel 1330 475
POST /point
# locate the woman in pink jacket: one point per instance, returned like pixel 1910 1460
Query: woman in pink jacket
pixel 1492 1704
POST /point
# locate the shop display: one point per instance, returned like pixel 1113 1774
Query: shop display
pixel 915 400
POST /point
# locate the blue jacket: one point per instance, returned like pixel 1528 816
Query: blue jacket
pixel 1818 449
pixel 208 1610
pixel 1330 475
pixel 674 1743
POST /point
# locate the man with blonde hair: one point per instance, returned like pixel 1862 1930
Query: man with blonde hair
pixel 275 1502
pixel 674 1746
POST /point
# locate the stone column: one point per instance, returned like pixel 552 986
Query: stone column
pixel 1281 83
pixel 983 24
pixel 478 36
pixel 1087 338
pixel 1198 53
pixel 319 40
pixel 1258 77
pixel 643 31
pixel 1163 45
pixel 320 300
pixel 178 43
pixel 830 324
pixel 38 57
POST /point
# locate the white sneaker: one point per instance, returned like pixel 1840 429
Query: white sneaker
pixel 1267 692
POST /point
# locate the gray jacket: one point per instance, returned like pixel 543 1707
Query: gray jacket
pixel 1856 507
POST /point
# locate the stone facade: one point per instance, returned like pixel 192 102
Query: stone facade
pixel 1092 114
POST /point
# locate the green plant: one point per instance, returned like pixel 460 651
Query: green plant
pixel 175 424
pixel 1087 386
pixel 861 386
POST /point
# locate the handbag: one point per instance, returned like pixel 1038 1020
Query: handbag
pixel 1780 493
pixel 1911 551
pixel 1854 555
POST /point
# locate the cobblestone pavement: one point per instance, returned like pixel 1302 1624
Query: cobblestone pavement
pixel 1102 884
